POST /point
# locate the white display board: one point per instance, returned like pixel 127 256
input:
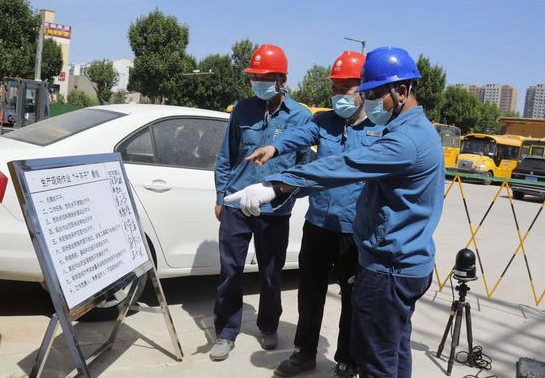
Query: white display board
pixel 89 226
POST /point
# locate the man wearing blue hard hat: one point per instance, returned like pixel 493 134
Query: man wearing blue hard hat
pixel 396 214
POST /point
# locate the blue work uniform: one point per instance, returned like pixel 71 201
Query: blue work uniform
pixel 327 234
pixel 396 216
pixel 333 209
pixel 250 127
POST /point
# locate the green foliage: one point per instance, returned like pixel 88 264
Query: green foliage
pixel 241 54
pixel 81 99
pixel 459 108
pixel 431 86
pixel 119 97
pixel 488 121
pixel 511 114
pixel 51 60
pixel 60 99
pixel 218 90
pixel 215 91
pixel 104 77
pixel 159 43
pixel 19 27
pixel 315 90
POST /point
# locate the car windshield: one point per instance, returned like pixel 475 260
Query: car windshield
pixel 478 147
pixel 532 164
pixel 53 129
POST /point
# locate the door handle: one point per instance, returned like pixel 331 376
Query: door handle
pixel 158 186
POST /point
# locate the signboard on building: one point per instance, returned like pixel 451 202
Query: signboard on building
pixel 57 30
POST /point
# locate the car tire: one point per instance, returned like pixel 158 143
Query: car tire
pixel 518 195
pixel 109 310
pixel 488 180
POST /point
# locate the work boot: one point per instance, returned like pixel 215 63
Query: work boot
pixel 220 350
pixel 343 370
pixel 297 363
pixel 268 340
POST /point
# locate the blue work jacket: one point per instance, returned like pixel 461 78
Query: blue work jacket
pixel 333 209
pixel 401 203
pixel 250 128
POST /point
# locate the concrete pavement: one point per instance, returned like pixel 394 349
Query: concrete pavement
pixel 507 326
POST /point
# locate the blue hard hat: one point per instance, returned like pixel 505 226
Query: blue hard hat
pixel 387 65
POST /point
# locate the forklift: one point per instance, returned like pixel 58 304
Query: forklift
pixel 22 102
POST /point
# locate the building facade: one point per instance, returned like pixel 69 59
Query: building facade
pixel 504 96
pixel 61 34
pixel 534 103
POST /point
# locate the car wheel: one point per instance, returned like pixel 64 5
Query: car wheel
pixel 488 180
pixel 518 195
pixel 108 310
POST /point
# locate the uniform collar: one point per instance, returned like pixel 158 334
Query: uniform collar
pixel 404 117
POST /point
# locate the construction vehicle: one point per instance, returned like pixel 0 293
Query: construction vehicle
pixel 22 102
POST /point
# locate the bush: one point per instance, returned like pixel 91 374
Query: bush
pixel 60 99
pixel 119 97
pixel 81 99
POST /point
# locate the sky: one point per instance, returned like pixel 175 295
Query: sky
pixel 475 41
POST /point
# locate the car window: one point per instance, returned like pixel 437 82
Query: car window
pixel 138 149
pixel 53 129
pixel 188 142
pixel 532 164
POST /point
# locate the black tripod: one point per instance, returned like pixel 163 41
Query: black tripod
pixel 457 309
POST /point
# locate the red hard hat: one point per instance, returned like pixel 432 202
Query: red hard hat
pixel 268 59
pixel 347 66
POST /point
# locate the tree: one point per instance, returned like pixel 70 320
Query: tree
pixel 241 54
pixel 488 121
pixel 51 60
pixel 460 108
pixel 104 77
pixel 19 28
pixel 18 32
pixel 431 86
pixel 511 114
pixel 158 43
pixel 119 97
pixel 216 91
pixel 315 90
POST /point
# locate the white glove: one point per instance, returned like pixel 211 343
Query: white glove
pixel 252 197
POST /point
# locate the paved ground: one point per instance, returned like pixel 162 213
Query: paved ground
pixel 508 326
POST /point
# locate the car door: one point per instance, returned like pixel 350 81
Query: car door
pixel 171 167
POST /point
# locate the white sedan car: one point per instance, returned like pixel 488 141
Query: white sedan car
pixel 169 154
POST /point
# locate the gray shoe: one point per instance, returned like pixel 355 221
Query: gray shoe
pixel 268 340
pixel 220 350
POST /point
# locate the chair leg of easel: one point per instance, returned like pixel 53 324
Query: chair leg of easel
pixel 45 347
pixel 166 313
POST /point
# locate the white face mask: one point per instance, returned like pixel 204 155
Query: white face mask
pixel 375 111
pixel 265 90
pixel 344 105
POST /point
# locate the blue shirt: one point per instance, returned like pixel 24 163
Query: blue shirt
pixel 250 128
pixel 333 209
pixel 401 203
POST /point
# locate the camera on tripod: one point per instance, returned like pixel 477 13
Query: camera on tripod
pixel 464 268
pixel 464 271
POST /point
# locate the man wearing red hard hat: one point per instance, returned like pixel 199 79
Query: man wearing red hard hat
pixel 254 122
pixel 328 231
